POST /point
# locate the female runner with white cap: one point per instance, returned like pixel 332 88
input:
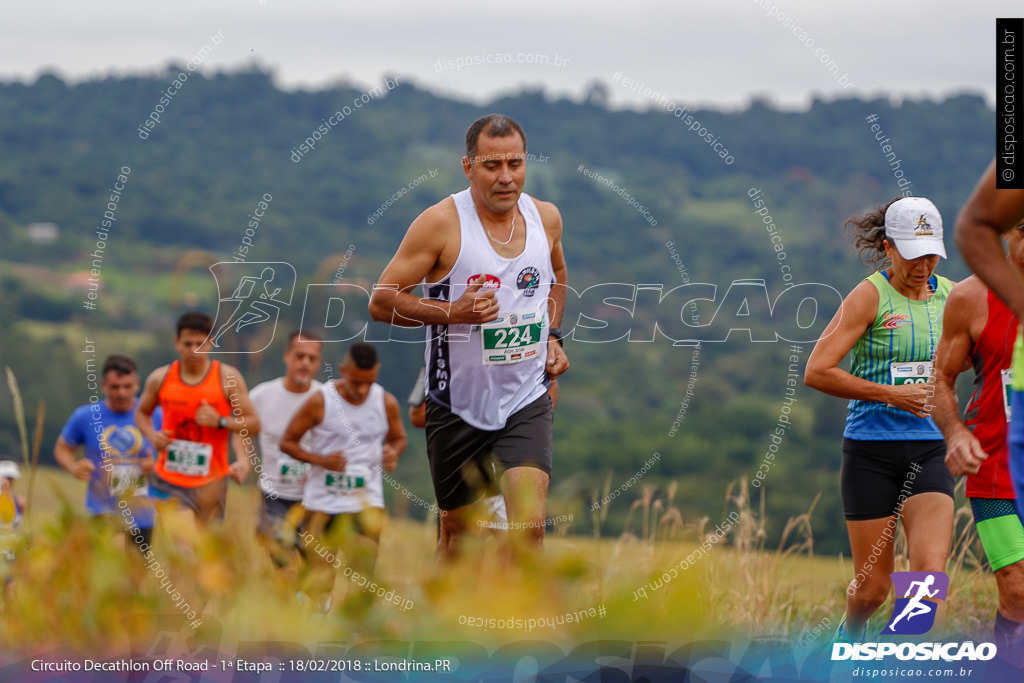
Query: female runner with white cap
pixel 893 454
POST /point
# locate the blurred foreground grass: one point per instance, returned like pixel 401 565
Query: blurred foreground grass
pixel 74 585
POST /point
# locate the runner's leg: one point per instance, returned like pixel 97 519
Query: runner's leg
pixel 873 561
pixel 526 491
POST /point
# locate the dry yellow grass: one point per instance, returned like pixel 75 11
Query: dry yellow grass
pixel 665 578
pixel 74 585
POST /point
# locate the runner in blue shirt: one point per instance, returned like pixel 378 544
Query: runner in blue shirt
pixel 117 457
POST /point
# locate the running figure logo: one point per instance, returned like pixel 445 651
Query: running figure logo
pixel 247 318
pixel 914 613
pixel 923 228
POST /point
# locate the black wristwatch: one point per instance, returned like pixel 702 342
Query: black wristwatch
pixel 556 334
pixel 222 422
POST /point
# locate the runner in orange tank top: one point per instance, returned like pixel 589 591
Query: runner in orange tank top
pixel 205 404
pixel 181 401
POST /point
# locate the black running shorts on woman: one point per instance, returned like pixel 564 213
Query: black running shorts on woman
pixel 877 477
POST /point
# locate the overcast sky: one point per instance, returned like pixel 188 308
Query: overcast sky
pixel 716 52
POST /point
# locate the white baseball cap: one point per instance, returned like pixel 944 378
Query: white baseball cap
pixel 9 470
pixel 914 226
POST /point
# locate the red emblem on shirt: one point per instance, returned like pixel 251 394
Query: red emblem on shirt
pixel 492 282
pixel 892 321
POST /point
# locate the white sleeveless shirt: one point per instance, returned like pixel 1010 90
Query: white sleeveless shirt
pixel 486 373
pixel 358 432
pixel 276 407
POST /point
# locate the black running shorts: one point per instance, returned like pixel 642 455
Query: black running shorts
pixel 466 461
pixel 878 476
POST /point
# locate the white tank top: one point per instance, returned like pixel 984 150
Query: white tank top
pixel 276 407
pixel 358 432
pixel 485 373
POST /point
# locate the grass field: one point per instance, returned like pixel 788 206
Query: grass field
pixel 74 587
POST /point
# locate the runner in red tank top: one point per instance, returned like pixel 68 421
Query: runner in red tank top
pixel 980 327
pixel 988 408
pixel 205 404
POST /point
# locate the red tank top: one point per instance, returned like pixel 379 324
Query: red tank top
pixel 197 455
pixel 985 414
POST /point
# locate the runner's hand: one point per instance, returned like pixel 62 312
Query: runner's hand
pixel 206 416
pixel 475 306
pixel 964 454
pixel 334 461
pixel 83 469
pixel 239 470
pixel 558 362
pixel 146 463
pixel 162 439
pixel 912 398
pixel 389 458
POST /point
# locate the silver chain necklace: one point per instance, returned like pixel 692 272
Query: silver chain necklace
pixel 510 232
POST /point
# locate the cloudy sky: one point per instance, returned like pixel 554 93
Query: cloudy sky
pixel 708 52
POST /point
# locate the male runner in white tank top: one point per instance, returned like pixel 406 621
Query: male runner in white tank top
pixel 491 264
pixel 356 431
pixel 282 479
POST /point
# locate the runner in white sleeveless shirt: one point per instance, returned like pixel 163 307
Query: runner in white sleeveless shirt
pixel 282 478
pixel 491 264
pixel 356 432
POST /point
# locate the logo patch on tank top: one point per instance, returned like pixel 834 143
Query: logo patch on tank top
pixel 892 321
pixel 528 280
pixel 491 281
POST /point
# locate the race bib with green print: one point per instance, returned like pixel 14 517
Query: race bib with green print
pixel 354 478
pixel 189 458
pixel 916 372
pixel 291 471
pixel 512 338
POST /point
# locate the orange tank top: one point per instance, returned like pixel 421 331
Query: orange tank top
pixel 196 455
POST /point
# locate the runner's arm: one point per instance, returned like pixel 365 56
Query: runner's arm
pixel 989 213
pixel 963 451
pixel 395 441
pixel 553 227
pixel 64 454
pixel 558 362
pixel 823 373
pixel 418 416
pixel 147 458
pixel 147 404
pixel 308 416
pixel 392 300
pixel 239 469
pixel 243 415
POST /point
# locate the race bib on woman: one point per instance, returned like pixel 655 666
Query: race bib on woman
pixel 917 372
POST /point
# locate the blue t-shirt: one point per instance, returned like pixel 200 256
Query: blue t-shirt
pixel 96 427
